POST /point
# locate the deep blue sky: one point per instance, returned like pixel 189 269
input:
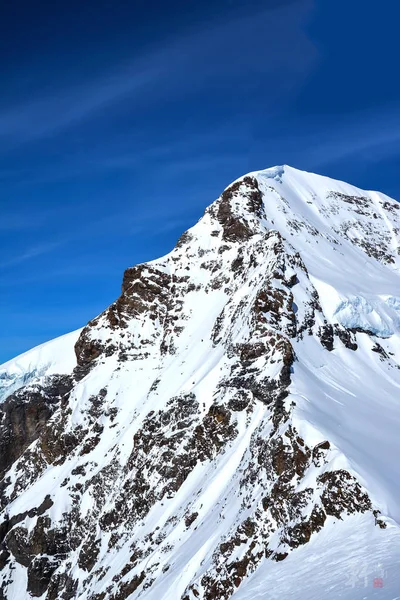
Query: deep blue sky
pixel 121 120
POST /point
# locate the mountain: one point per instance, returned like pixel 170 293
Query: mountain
pixel 230 426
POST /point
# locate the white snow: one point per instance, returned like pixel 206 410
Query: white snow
pixel 345 561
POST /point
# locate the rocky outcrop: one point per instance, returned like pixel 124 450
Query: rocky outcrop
pixel 24 415
pixel 237 229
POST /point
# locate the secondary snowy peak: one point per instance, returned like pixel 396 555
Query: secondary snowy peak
pixel 221 417
pixel 53 357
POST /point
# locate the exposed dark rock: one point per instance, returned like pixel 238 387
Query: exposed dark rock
pixel 346 336
pixel 326 337
pixel 89 553
pixel 24 415
pixel 328 332
pixel 86 349
pixel 191 519
pixel 40 571
pixel 235 229
pixel 343 494
pixel 319 452
pixel 381 351
pixel 280 556
pixel 185 238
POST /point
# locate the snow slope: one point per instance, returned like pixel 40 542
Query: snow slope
pixel 358 410
pixel 339 563
pixel 231 427
pixel 56 356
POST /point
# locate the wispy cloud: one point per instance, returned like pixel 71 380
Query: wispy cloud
pixel 135 224
pixel 184 153
pixel 374 132
pixel 16 222
pixel 220 53
pixel 23 218
pixel 44 116
pixel 70 272
pixel 367 136
pixel 29 254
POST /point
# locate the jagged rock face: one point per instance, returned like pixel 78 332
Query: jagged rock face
pixel 24 415
pixel 175 459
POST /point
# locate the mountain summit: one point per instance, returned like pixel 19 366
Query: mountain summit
pixel 230 425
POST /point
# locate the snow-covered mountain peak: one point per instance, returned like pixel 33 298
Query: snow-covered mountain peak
pixel 291 201
pixel 234 409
